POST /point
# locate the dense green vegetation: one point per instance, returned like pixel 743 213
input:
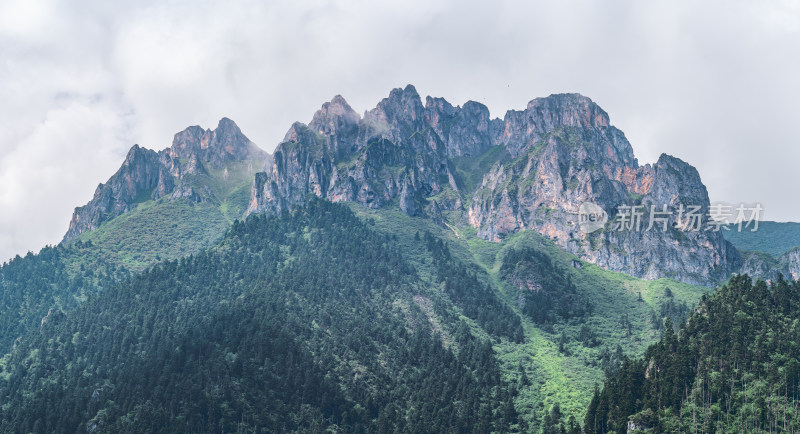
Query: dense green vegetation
pixel 546 292
pixel 55 278
pixel 774 238
pixel 61 277
pixel 178 317
pixel 734 366
pixel 154 231
pixel 310 321
pixel 550 346
pixel 561 359
pixel 475 298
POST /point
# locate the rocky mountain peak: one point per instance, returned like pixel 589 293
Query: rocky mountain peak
pixel 179 171
pixel 669 181
pixel 401 107
pixel 436 107
pixel 299 133
pixel 230 139
pixel 225 143
pixel 334 117
pixel 186 141
pixel 227 126
pixel 466 131
pixel 569 109
pixel 140 172
pixel 544 115
pixel 548 159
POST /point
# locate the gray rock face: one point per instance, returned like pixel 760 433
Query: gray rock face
pixel 559 152
pixel 543 189
pixel 214 147
pixel 466 131
pixel 389 156
pixel 338 121
pixel 555 174
pixel 759 265
pixel 542 115
pixel 146 174
pixel 790 263
pixel 763 266
pixel 140 172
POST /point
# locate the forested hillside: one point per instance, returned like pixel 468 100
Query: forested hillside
pixel 733 367
pixel 56 278
pixel 335 316
pixel 423 302
pixel 62 276
pixel 310 321
pixel 592 317
pixel 149 232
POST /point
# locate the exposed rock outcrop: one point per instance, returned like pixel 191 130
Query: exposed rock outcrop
pixel 559 152
pixel 172 173
pixel 530 170
pixel 763 266
pixel 543 115
pixel 213 147
pixel 141 173
pixel 790 264
pixel 543 189
pixel 466 131
pixel 389 156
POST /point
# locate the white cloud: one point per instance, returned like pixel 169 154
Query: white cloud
pixel 55 167
pixel 712 83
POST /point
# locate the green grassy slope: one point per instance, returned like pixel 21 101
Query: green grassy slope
pixel 310 322
pixel 555 362
pixel 159 230
pixel 168 229
pixel 625 320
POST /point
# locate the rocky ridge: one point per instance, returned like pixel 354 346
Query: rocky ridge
pixel 391 155
pixel 178 172
pixel 530 170
pixel 765 266
pixel 559 152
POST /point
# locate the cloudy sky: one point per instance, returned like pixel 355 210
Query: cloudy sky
pixel 715 84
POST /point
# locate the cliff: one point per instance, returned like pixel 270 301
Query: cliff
pixel 539 165
pixel 178 172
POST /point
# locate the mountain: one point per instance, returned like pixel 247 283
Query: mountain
pixel 177 172
pixel 386 312
pixel 158 206
pixel 531 170
pixel 764 266
pixel 771 250
pixel 308 322
pixel 172 203
pixel 733 367
pixel 443 284
pixel 772 238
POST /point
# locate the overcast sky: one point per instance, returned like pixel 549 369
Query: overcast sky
pixel 716 84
